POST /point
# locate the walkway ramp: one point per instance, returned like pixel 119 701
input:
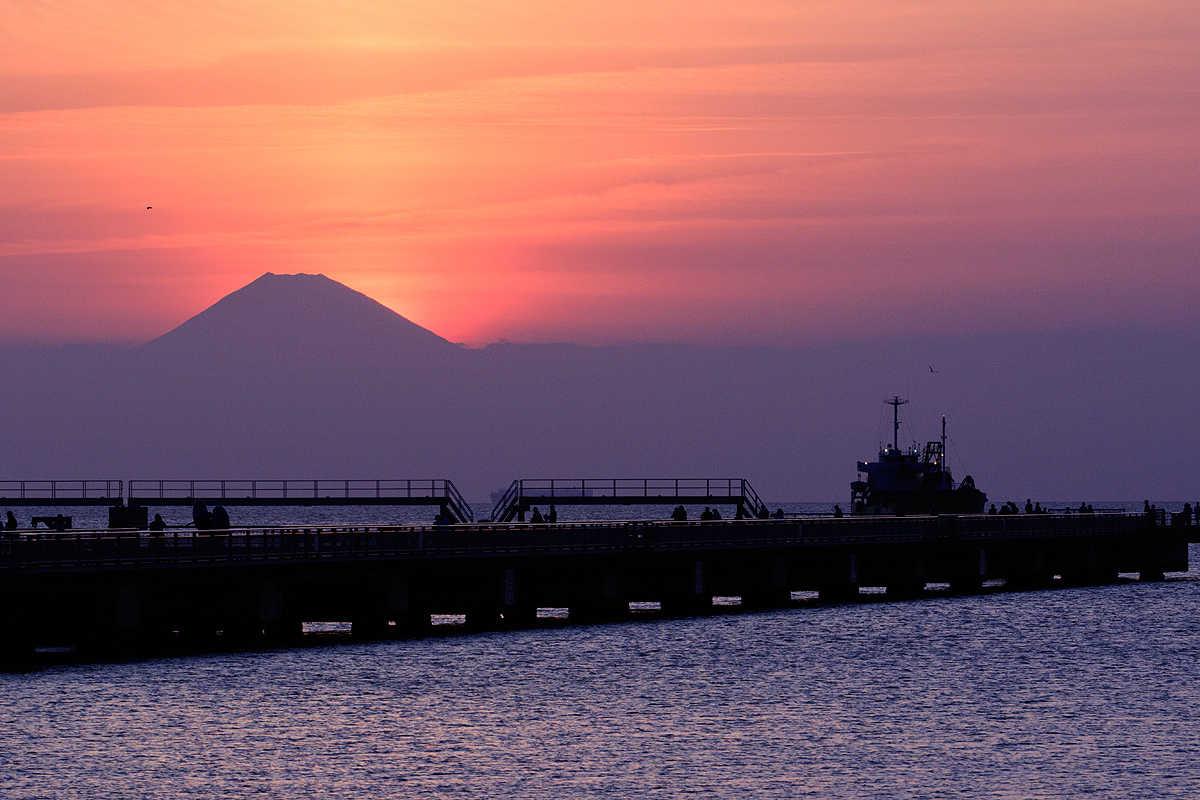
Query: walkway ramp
pixel 524 494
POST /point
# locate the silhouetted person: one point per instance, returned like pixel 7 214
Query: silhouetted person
pixel 158 524
pixel 837 511
pixel 992 510
pixel 706 514
pixel 1028 506
pixel 553 517
pixel 679 514
pixel 10 524
pixel 1037 508
pixel 201 516
pixel 1187 513
pixel 716 514
pixel 778 513
pixel 60 523
pixel 1147 509
pixel 536 519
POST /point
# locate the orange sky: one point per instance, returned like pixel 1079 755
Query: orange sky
pixel 709 172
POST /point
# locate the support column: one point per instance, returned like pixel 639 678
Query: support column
pixel 970 571
pixel 840 583
pixel 599 597
pixel 689 596
pixel 907 577
pixel 408 607
pixel 771 589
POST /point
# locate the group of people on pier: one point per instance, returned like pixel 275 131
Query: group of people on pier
pixel 551 516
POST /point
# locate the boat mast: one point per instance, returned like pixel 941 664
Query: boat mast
pixel 895 403
pixel 944 456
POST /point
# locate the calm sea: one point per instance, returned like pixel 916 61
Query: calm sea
pixel 1061 693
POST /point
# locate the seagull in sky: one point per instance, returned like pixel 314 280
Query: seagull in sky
pixel 149 207
pixel 931 369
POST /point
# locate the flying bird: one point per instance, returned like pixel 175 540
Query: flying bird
pixel 149 207
pixel 931 369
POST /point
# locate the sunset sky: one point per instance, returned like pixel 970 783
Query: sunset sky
pixel 711 172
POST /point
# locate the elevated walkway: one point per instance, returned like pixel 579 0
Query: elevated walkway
pixel 61 493
pixel 401 492
pixel 524 494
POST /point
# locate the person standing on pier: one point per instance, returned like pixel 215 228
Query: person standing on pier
pixel 10 524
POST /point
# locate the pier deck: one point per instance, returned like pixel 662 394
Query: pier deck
pixel 105 586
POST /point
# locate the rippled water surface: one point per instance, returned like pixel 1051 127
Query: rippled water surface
pixel 1061 693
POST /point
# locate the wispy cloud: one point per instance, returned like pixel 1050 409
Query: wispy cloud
pixel 540 170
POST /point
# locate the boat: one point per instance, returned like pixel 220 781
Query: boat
pixel 912 480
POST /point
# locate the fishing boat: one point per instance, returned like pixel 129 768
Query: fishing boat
pixel 912 480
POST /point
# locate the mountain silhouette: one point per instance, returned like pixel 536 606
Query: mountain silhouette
pixel 306 315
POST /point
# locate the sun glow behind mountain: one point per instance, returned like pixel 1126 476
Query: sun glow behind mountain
pixel 770 172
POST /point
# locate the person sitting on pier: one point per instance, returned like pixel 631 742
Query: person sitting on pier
pixel 716 514
pixel 992 510
pixel 837 511
pixel 10 524
pixel 679 514
pixel 706 514
pixel 552 517
pixel 536 519
pixel 778 514
pixel 158 524
pixel 1037 508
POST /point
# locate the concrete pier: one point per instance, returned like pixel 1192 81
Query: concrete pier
pixel 119 589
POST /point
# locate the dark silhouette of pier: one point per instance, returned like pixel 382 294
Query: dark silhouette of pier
pixel 121 588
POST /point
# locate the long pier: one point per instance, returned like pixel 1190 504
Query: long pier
pixel 102 588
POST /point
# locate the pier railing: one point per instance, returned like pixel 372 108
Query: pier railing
pixel 303 492
pixel 60 493
pixel 77 550
pixel 521 494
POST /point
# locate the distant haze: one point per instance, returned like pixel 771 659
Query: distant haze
pixel 298 376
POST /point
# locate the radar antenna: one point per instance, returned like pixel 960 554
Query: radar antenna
pixel 895 403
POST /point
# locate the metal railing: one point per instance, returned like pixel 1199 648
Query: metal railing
pixel 76 550
pixel 51 493
pixel 303 492
pixel 521 493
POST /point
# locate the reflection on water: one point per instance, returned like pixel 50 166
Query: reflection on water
pixel 1063 693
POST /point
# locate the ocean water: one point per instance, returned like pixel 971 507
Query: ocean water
pixel 1079 692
